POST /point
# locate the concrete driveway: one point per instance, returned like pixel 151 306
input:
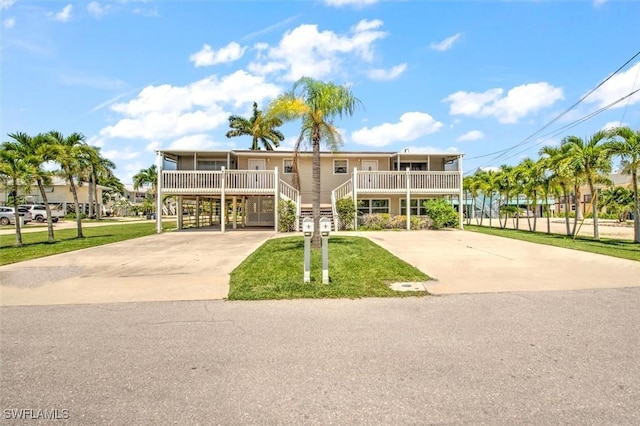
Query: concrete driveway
pixel 470 262
pixel 186 265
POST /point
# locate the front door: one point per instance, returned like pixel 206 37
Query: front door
pixel 369 165
pixel 257 164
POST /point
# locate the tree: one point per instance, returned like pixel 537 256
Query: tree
pixel 146 177
pixel 532 178
pixel 617 201
pixel 505 184
pixel 73 165
pixel 38 151
pixel 260 127
pixel 591 162
pixel 99 169
pixel 17 170
pixel 626 145
pixel 316 103
pixel 487 183
pixel 555 159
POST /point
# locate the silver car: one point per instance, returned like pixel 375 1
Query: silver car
pixel 8 216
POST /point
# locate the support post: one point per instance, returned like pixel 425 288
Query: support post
pixel 180 217
pixel 355 196
pixel 325 229
pixel 460 195
pixel 235 211
pixel 276 198
pixel 223 204
pixel 159 161
pixel 307 229
pixel 408 176
pixel 197 211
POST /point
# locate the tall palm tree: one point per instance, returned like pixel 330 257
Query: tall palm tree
pixel 471 185
pixel 505 184
pixel 38 151
pixel 99 169
pixel 626 145
pixel 18 171
pixel 591 161
pixel 260 127
pixel 316 103
pixel 556 160
pixel 73 165
pixel 488 184
pixel 532 175
pixel 149 178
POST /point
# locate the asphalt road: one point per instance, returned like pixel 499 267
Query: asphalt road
pixel 505 358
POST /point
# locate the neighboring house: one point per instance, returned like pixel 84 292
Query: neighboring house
pixel 59 194
pixel 616 179
pixel 136 196
pixel 250 183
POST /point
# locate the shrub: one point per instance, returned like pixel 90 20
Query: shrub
pixel 381 221
pixel 346 213
pixel 441 213
pixel 286 215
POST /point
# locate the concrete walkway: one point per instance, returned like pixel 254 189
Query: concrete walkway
pixel 470 262
pixel 195 265
pixel 186 265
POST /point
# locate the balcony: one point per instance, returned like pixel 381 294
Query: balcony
pixel 213 182
pixel 390 182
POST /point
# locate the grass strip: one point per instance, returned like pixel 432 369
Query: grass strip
pixel 36 245
pixel 357 268
pixel 624 249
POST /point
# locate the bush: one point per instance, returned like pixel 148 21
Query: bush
pixel 441 213
pixel 381 221
pixel 346 213
pixel 286 215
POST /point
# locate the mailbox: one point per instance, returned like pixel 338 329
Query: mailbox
pixel 307 226
pixel 325 226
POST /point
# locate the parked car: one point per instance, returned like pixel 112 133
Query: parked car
pixel 39 212
pixel 7 215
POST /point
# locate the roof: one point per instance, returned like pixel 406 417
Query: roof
pixel 288 153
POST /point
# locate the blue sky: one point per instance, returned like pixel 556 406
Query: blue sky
pixel 467 76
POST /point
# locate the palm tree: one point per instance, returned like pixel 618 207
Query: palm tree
pixel 556 160
pixel 471 185
pixel 626 145
pixel 532 175
pixel 16 169
pixel 505 184
pixel 487 183
pixel 99 168
pixel 590 161
pixel 317 103
pixel 260 127
pixel 147 177
pixel 73 164
pixel 38 151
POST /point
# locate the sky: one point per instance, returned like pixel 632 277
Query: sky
pixel 490 79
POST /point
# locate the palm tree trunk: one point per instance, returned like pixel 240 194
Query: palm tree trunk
pixel 316 187
pixel 578 214
pixel 47 208
pixel 636 208
pixel 490 211
pixel 594 211
pixel 95 197
pixel 77 205
pixel 566 208
pixel 90 196
pixel 18 242
pixel 484 203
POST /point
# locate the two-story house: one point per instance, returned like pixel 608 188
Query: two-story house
pixel 249 184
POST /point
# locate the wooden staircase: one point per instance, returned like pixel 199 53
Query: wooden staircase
pixel 325 211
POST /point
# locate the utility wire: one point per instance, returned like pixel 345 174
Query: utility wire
pixel 501 152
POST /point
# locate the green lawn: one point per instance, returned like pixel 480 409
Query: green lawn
pixel 357 268
pixel 35 243
pixel 624 249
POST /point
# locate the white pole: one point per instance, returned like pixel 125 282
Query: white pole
pixel 223 204
pixel 355 196
pixel 276 198
pixel 159 161
pixel 408 176
pixel 460 195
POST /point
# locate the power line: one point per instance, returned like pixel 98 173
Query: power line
pixel 501 152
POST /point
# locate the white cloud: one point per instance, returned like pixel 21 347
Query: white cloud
pixel 95 9
pixel 613 124
pixel 382 74
pixel 64 15
pixel 445 44
pixel 355 3
pixel 153 146
pixel 9 22
pixel 306 51
pixel 411 126
pixel 472 135
pixel 116 154
pixel 207 56
pixel 519 102
pixel 165 112
pixel 195 142
pixel 618 86
pixel 6 4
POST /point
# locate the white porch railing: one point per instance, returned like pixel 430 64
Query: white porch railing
pixel 419 182
pixel 344 190
pixel 210 182
pixel 288 192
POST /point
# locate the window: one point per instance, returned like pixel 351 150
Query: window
pixel 373 206
pixel 287 165
pixel 340 167
pixel 587 198
pixel 211 164
pixel 417 207
pixel 411 166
